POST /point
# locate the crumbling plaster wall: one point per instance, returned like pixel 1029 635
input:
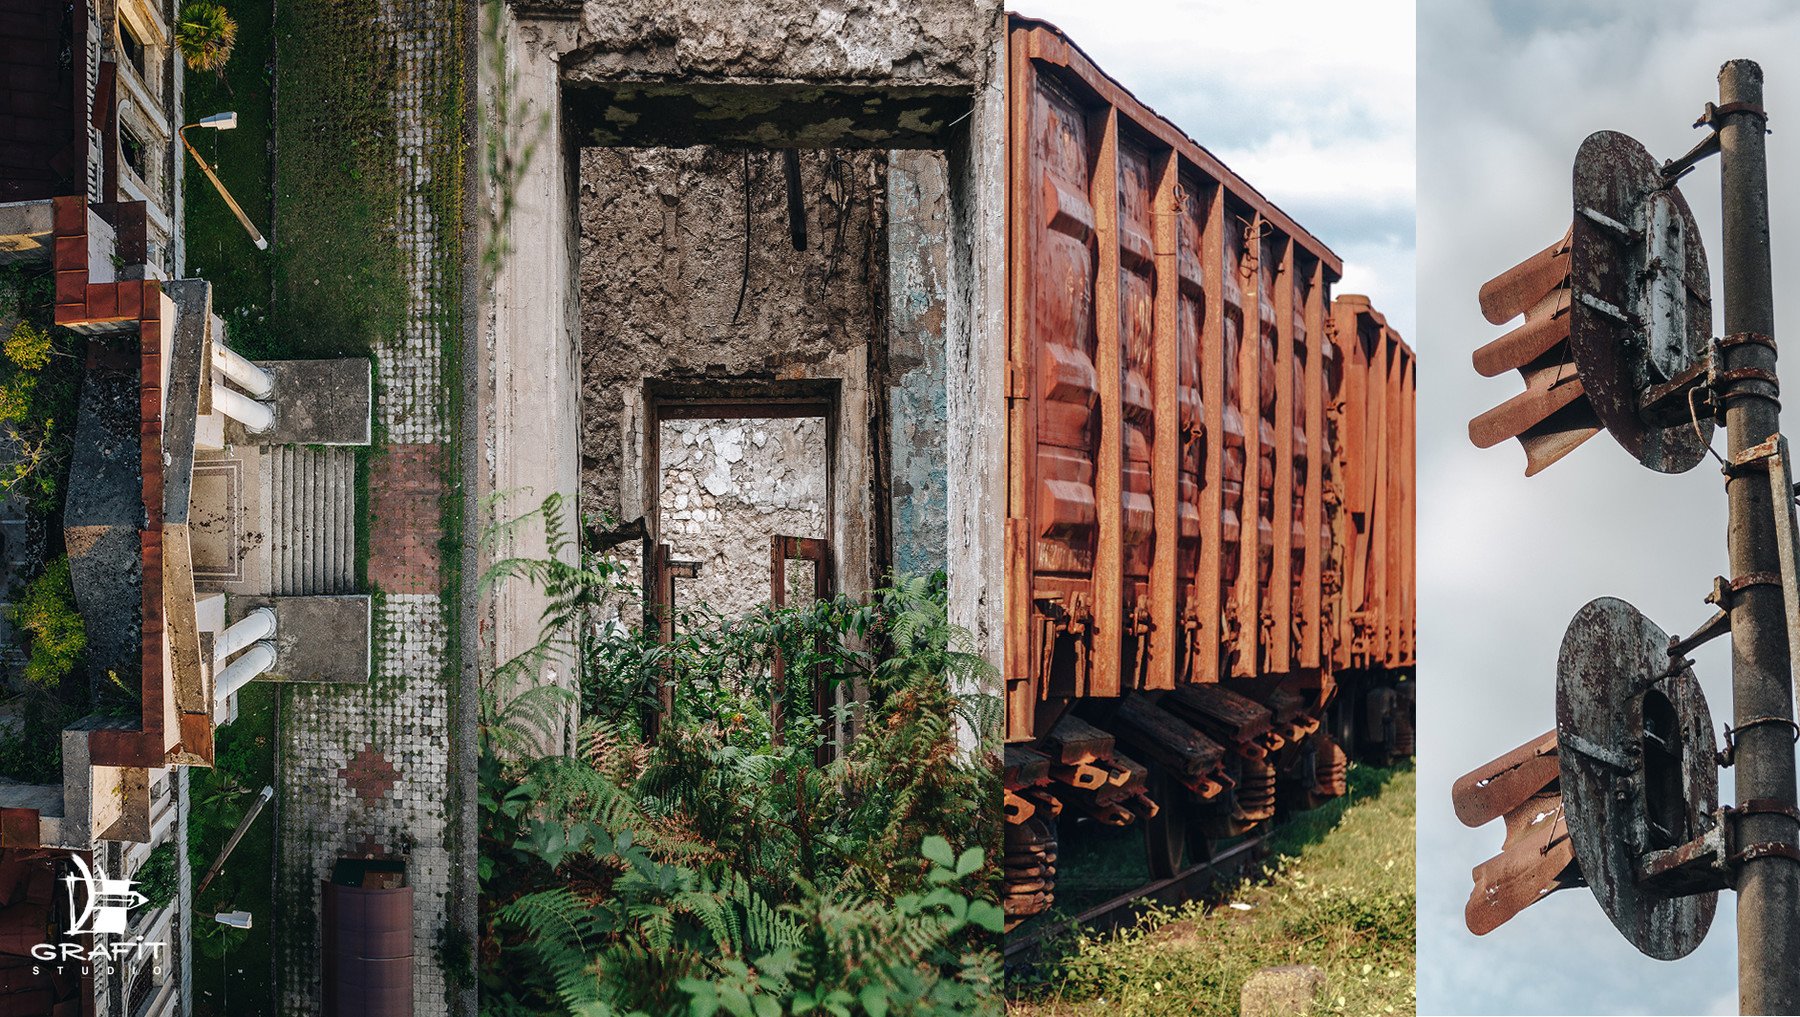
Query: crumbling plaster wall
pixel 526 329
pixel 728 486
pixel 892 42
pixel 662 270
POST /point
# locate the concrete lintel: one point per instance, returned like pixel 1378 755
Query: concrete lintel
pixel 316 402
pixel 317 638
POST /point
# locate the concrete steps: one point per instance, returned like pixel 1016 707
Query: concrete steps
pixel 312 493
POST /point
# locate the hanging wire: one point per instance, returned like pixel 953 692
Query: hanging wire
pixel 744 280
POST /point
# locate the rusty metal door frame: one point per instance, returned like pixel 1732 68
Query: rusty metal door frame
pixel 783 549
pixel 660 573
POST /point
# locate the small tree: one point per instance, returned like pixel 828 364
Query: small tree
pixel 58 637
pixel 205 33
pixel 34 395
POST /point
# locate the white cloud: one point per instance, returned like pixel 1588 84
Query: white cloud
pixel 1311 101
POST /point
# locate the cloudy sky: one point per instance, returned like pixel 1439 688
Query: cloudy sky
pixel 1312 102
pixel 1507 91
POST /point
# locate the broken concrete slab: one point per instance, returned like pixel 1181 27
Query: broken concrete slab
pixel 317 638
pixel 25 228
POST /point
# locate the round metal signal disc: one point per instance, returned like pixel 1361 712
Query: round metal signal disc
pixel 1638 270
pixel 1611 654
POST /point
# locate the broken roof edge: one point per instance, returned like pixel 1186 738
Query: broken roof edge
pixel 1053 46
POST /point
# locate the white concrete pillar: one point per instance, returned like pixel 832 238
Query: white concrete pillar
pixel 248 376
pixel 258 624
pixel 254 661
pixel 256 417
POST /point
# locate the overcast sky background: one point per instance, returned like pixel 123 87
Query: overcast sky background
pixel 1507 91
pixel 1311 101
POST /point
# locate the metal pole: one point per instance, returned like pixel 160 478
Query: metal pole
pixel 243 827
pixel 1768 885
pixel 256 237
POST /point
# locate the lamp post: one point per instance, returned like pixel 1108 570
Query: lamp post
pixel 222 122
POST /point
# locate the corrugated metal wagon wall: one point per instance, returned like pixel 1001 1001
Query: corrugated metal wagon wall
pixel 1166 520
pixel 1209 511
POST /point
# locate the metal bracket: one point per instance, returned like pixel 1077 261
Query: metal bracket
pixel 1729 752
pixel 1701 865
pixel 1787 543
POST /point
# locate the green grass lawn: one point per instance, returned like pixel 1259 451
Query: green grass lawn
pixel 217 246
pixel 339 282
pixel 233 971
pixel 1341 897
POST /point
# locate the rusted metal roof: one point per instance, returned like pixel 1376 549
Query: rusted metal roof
pixel 368 940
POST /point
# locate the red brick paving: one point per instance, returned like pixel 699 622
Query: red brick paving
pixel 369 774
pixel 406 487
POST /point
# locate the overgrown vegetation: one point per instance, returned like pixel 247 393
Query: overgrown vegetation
pixel 31 747
pixel 158 876
pixel 39 383
pixel 234 964
pixel 718 868
pixel 1340 897
pixel 58 637
pixel 218 248
pixel 339 271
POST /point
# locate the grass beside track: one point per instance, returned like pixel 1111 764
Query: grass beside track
pixel 1340 896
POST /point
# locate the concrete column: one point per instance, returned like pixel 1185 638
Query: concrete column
pixel 256 417
pixel 530 344
pixel 257 625
pixel 254 661
pixel 248 376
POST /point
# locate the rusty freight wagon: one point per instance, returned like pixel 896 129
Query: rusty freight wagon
pixel 1209 526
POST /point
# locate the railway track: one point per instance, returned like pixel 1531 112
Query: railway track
pixel 1191 883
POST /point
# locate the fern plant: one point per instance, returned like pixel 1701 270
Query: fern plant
pixel 720 868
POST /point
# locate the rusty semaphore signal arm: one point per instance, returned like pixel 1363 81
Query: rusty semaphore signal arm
pixel 1622 797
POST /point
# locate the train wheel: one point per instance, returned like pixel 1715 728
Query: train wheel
pixel 1166 833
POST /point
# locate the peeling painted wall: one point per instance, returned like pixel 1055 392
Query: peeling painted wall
pixel 918 291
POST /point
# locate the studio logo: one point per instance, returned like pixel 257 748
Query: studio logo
pixel 99 907
pixel 107 909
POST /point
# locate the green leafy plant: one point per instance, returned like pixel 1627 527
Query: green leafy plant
pixel 719 867
pixel 58 637
pixel 37 409
pixel 205 34
pixel 157 876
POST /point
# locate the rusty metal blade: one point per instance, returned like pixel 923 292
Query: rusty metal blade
pixel 1546 324
pixel 1524 411
pixel 1497 787
pixel 1518 289
pixel 1537 860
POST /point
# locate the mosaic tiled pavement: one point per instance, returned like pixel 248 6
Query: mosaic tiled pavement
pixel 366 770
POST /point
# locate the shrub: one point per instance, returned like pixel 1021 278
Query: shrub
pixel 719 869
pixel 58 637
pixel 37 409
pixel 156 877
pixel 205 34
